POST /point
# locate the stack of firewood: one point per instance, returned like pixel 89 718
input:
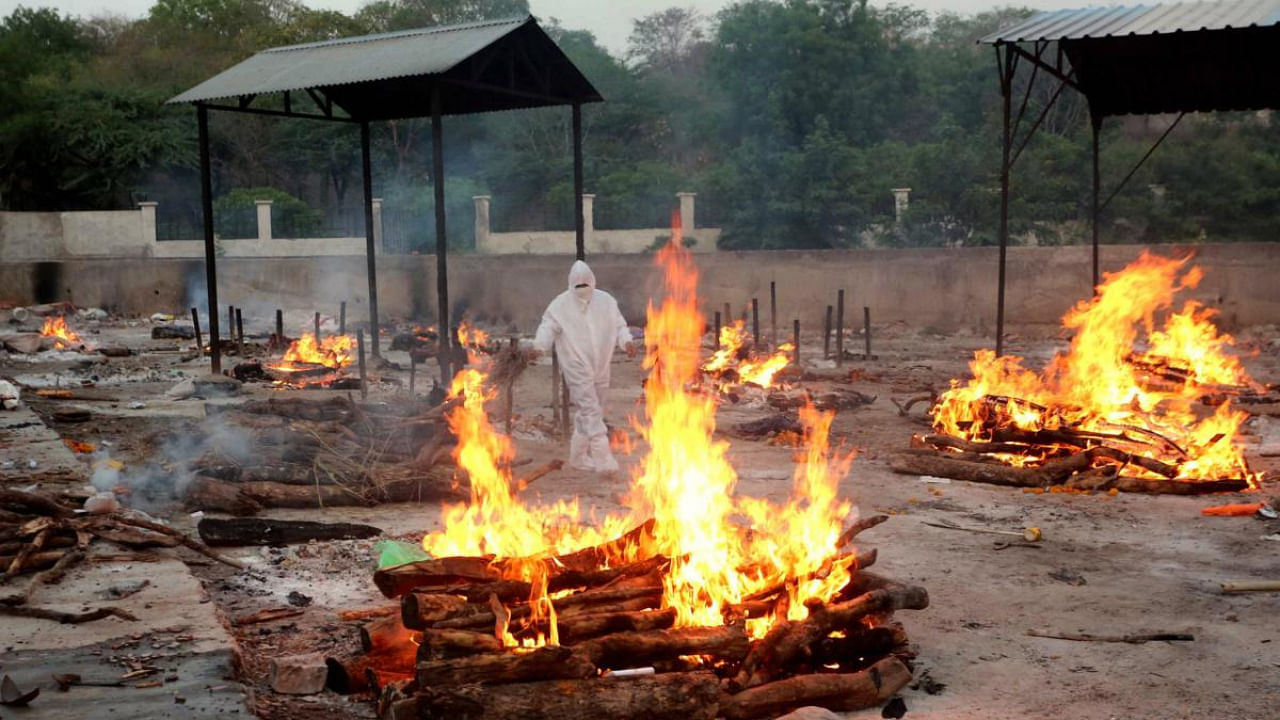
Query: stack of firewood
pixel 43 536
pixel 619 654
pixel 315 453
pixel 1071 458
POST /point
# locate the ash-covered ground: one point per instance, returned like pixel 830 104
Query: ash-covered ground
pixel 1108 564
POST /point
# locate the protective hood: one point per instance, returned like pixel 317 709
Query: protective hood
pixel 580 274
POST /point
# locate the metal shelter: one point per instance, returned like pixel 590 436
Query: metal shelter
pixel 431 72
pixel 1146 59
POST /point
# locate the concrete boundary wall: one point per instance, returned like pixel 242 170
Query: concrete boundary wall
pixel 940 288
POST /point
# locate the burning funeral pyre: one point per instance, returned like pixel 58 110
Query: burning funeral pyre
pixel 698 604
pixel 1140 402
pixel 314 361
pixel 64 338
pixel 737 361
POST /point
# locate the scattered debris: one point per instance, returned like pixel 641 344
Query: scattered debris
pixel 268 615
pixel 1134 639
pixel 1067 576
pixel 895 708
pixel 299 674
pixel 11 696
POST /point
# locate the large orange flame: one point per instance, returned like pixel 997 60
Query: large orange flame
pixel 56 327
pixel 721 548
pixel 1106 383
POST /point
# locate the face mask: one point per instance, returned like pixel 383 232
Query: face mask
pixel 582 293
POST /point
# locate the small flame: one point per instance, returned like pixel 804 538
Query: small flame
pixel 749 368
pixel 56 327
pixel 334 351
pixel 472 337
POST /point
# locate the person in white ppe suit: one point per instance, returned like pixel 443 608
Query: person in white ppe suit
pixel 584 326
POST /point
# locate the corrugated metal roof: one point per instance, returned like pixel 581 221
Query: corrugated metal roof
pixel 427 51
pixel 1140 20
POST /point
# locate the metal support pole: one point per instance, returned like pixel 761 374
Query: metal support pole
pixel 795 342
pixel 826 335
pixel 280 329
pixel 195 322
pixel 715 340
pixel 839 328
pixel 773 314
pixel 413 370
pixel 728 314
pixel 364 383
pixel 239 333
pixel 442 242
pixel 317 327
pixel 342 320
pixel 370 251
pixel 1096 209
pixel 231 323
pixel 579 222
pixel 210 254
pixel 1006 141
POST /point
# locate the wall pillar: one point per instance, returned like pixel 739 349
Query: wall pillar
pixel 147 210
pixel 589 217
pixel 377 224
pixel 482 221
pixel 264 219
pixel 686 210
pixel 901 201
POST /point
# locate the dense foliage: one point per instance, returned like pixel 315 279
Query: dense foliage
pixel 792 119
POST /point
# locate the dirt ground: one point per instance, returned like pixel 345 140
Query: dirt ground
pixel 1111 565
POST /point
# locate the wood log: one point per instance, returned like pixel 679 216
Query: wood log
pixel 637 649
pixel 671 696
pixel 67 618
pixel 34 561
pixel 788 641
pixel 33 503
pixel 1125 483
pixel 597 601
pixel 384 634
pixel 349 674
pixel 857 528
pixel 131 537
pixel 1053 472
pixel 261 531
pixel 54 542
pixel 545 663
pixel 242 498
pixel 334 408
pixel 182 538
pixel 213 495
pixel 858 648
pixel 834 691
pixel 583 627
pixel 395 581
pixel 447 644
pixel 419 610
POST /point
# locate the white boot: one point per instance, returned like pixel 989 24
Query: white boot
pixel 580 452
pixel 601 457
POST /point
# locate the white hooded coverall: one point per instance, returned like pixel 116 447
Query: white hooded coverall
pixel 585 325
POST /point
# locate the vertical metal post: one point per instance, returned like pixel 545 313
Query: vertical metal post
pixel 413 369
pixel 280 328
pixel 231 323
pixel 342 320
pixel 579 222
pixel 239 333
pixel 442 242
pixel 773 314
pixel 795 342
pixel 839 328
pixel 210 256
pixel 755 323
pixel 866 330
pixel 1006 140
pixel 728 314
pixel 826 335
pixel 364 383
pixel 1096 209
pixel 317 327
pixel 370 251
pixel 195 322
pixel 715 340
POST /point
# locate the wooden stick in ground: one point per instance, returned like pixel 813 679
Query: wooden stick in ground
pixel 342 318
pixel 546 663
pixel 795 343
pixel 669 696
pixel 1241 586
pixel 788 640
pixel 755 325
pixel 413 370
pixel 773 314
pixel 195 323
pixel 279 343
pixel 239 333
pixel 834 691
pixel 317 327
pixel 866 330
pixel 826 335
pixel 1135 639
pixel 231 323
pixel 839 328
